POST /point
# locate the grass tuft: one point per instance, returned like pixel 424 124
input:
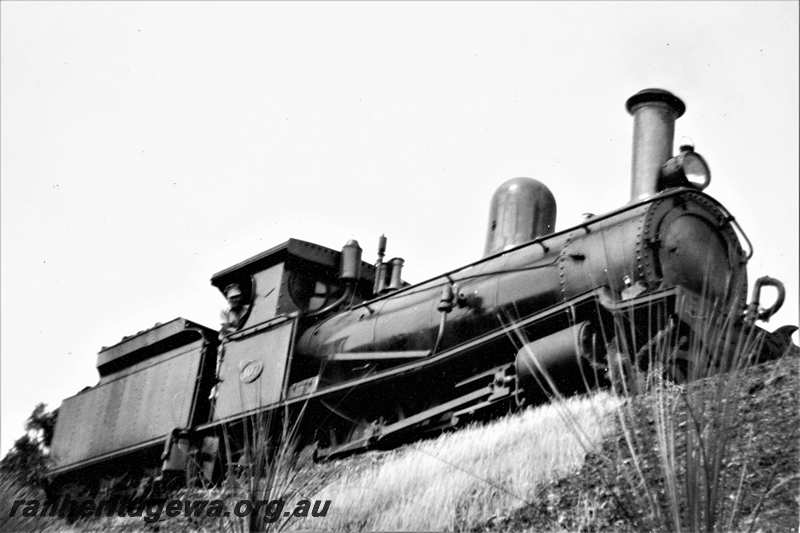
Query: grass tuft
pixel 672 466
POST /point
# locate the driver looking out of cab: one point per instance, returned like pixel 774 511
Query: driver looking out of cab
pixel 233 317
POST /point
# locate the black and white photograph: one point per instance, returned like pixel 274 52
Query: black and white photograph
pixel 399 266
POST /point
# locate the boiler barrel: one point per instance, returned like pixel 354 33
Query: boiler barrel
pixel 521 281
pixel 612 252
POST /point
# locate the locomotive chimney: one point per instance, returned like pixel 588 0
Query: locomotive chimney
pixel 522 209
pixel 654 112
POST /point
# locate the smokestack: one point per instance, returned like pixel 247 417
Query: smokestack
pixel 654 112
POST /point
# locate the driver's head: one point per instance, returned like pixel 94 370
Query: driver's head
pixel 233 293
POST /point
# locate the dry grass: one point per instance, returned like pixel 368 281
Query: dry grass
pixel 453 482
pixel 465 478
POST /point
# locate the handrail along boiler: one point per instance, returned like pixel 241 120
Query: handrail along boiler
pixel 371 360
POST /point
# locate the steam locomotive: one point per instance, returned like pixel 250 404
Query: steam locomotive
pixel 364 359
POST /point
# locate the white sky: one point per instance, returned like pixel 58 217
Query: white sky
pixel 147 145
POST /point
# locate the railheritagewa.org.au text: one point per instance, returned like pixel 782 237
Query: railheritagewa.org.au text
pixel 154 510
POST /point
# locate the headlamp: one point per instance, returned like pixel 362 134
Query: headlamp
pixel 687 169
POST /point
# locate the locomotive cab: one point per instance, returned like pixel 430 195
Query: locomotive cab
pixel 281 285
pixel 293 277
